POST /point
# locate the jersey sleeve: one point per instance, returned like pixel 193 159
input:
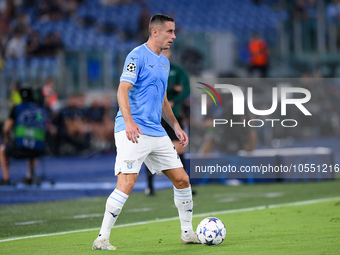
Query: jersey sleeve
pixel 131 68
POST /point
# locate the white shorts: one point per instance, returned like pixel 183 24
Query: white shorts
pixel 157 152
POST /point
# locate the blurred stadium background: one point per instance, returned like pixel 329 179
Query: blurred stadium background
pixel 80 47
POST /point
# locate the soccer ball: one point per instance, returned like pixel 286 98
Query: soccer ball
pixel 211 231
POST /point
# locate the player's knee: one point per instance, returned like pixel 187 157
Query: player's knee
pixel 182 182
pixel 125 186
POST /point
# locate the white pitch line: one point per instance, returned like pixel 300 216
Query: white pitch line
pixel 139 210
pixel 29 222
pixel 84 216
pixel 263 207
pixel 227 200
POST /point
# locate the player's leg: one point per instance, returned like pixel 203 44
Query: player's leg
pixel 113 207
pixel 128 162
pixel 165 160
pixel 184 203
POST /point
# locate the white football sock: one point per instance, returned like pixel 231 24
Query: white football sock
pixel 184 204
pixel 113 207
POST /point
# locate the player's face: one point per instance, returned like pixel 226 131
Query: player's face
pixel 166 35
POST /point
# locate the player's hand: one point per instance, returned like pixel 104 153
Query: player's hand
pixel 182 136
pixel 133 131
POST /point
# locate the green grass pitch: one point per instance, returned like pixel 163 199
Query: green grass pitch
pixel 285 228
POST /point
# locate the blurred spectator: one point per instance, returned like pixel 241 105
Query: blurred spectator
pixel 16 46
pixel 311 9
pixel 87 21
pixel 33 46
pixel 74 135
pixel 192 61
pixel 82 129
pixel 259 56
pixel 2 48
pixel 51 45
pixel 333 12
pixel 49 11
pixel 305 11
pixel 95 113
pixel 3 38
pixel 48 91
pixel 55 11
pixel 9 12
pixel 28 3
pixel 21 23
pixel 29 123
pixel 299 10
pixel 143 23
pixel 15 97
pixel 102 127
pixel 70 7
pixel 104 28
pixel 333 17
pixel 42 10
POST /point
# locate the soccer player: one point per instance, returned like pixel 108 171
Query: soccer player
pixel 139 134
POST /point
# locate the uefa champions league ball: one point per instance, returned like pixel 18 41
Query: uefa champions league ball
pixel 211 231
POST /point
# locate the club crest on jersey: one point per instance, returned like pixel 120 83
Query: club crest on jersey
pixel 129 163
pixel 131 67
pixel 166 67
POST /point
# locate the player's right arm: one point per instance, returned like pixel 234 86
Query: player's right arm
pixel 131 128
pixel 128 78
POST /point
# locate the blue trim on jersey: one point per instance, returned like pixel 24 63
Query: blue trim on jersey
pixel 148 73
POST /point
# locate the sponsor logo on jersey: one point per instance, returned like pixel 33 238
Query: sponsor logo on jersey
pixel 128 74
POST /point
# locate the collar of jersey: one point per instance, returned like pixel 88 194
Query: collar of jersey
pixel 151 51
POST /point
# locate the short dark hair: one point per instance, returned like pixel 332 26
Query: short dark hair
pixel 158 19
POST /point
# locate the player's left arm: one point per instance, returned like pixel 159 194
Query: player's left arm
pixel 170 118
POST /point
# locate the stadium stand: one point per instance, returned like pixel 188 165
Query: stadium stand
pixel 94 26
